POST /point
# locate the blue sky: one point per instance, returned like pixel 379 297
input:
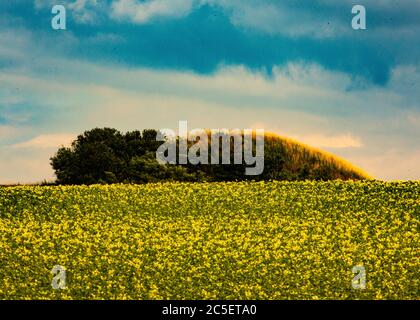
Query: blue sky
pixel 293 67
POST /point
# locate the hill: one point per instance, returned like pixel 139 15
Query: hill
pixel 301 161
pixel 105 155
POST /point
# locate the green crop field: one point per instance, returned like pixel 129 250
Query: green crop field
pixel 246 240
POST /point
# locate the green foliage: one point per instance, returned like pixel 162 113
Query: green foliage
pixel 103 156
pixel 147 169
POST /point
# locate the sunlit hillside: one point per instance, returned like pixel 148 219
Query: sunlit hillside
pixel 303 161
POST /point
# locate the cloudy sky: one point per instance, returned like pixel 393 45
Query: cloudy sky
pixel 296 68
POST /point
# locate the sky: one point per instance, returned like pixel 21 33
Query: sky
pixel 296 68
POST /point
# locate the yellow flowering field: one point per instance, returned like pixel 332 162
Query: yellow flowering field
pixel 247 240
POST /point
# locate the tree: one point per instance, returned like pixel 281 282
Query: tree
pixel 100 156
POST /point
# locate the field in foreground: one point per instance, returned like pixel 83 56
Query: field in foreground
pixel 276 240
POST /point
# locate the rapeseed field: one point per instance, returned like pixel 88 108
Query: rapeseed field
pixel 237 240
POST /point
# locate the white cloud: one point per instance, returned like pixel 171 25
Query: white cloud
pixel 83 11
pixel 277 18
pixel 25 165
pixel 261 15
pixel 323 18
pixel 315 137
pixel 413 118
pixel 391 164
pixel 331 141
pixel 319 19
pixel 47 141
pixel 144 11
pixel 7 132
pixel 405 81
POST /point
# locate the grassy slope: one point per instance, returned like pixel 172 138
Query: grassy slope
pixel 274 240
pixel 298 154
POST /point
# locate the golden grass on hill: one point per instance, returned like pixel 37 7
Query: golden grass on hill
pixel 297 156
pixel 300 153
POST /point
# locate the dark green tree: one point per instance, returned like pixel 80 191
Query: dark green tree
pixel 101 155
